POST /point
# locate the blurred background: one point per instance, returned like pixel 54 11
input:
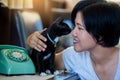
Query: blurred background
pixel 20 18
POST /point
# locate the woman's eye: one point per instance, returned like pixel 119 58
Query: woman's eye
pixel 80 28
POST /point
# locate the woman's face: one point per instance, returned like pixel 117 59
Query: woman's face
pixel 82 39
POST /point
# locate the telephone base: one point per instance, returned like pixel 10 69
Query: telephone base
pixel 15 61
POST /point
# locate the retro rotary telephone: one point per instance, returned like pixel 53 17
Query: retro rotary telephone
pixel 14 60
pixel 45 60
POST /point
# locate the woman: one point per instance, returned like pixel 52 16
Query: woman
pixel 93 55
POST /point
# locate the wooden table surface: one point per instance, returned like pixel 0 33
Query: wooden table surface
pixel 25 77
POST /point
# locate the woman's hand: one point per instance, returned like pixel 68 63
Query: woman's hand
pixel 36 40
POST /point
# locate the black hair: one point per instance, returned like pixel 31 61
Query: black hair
pixel 80 5
pixel 102 21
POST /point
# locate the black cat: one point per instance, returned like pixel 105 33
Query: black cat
pixel 45 60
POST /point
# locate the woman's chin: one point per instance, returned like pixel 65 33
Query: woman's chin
pixel 77 49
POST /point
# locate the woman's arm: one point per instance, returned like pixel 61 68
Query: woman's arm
pixel 59 65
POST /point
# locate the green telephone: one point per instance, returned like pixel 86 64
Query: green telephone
pixel 14 60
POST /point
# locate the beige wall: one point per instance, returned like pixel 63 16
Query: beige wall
pixel 70 4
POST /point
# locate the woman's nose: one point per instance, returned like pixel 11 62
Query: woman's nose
pixel 74 32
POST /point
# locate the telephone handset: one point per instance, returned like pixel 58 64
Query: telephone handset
pixel 15 60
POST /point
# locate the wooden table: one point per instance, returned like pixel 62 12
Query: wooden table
pixel 25 77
